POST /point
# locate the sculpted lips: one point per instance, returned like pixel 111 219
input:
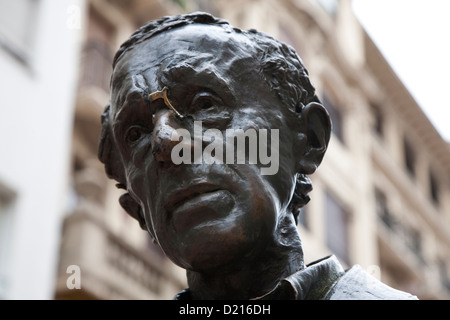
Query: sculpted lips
pixel 179 196
pixel 196 204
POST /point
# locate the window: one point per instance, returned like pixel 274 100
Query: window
pixel 410 158
pixel 413 240
pixel 97 65
pixel 378 124
pixel 97 53
pixel 434 188
pixel 335 114
pixel 382 209
pixel 17 23
pixel 337 222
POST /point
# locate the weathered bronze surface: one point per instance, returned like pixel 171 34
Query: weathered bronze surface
pixel 232 228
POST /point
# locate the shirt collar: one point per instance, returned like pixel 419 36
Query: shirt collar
pixel 312 282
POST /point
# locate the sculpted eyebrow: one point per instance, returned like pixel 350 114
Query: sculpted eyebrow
pixel 208 77
pixel 134 108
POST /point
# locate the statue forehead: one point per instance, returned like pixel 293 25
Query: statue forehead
pixel 189 40
pixel 198 37
pixel 192 48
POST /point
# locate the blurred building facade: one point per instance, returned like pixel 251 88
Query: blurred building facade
pixel 38 47
pixel 116 258
pixel 381 197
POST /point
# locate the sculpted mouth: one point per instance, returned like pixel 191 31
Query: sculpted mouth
pixel 180 196
pixel 198 205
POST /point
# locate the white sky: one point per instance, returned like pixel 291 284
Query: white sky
pixel 414 36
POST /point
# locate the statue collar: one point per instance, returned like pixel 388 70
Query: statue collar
pixel 312 282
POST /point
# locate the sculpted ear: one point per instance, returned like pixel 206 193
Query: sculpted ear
pixel 107 150
pixel 132 208
pixel 109 156
pixel 135 211
pixel 317 129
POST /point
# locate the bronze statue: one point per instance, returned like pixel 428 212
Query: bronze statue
pixel 212 131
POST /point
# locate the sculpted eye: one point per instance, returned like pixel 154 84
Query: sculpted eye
pixel 135 133
pixel 208 107
pixel 205 100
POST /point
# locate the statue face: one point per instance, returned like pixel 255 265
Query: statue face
pixel 203 215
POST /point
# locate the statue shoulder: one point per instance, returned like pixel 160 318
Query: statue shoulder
pixel 357 284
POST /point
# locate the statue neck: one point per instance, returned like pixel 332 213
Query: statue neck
pixel 254 276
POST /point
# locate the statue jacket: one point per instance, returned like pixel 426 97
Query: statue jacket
pixel 326 279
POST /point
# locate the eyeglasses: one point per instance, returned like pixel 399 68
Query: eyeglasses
pixel 163 95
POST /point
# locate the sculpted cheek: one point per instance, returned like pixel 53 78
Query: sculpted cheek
pixel 135 182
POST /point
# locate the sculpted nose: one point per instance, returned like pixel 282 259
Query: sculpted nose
pixel 164 126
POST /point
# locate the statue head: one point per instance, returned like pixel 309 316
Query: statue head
pixel 190 86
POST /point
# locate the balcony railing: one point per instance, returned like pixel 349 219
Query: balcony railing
pixel 409 237
pixel 138 268
pixel 111 268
